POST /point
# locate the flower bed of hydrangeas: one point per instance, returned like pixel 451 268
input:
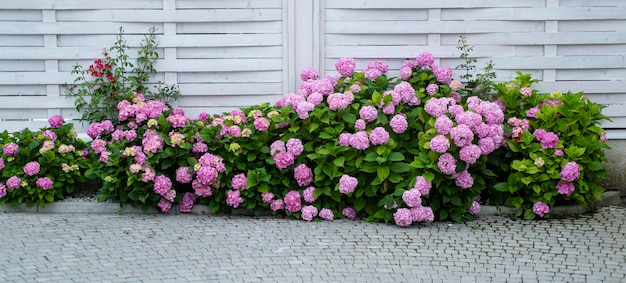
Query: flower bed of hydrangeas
pixel 417 148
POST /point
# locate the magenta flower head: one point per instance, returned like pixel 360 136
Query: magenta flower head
pixel 541 208
pixel 422 185
pixel 309 74
pixel 368 113
pixel 443 74
pixel 474 209
pixel 347 184
pixel 360 140
pixel 14 182
pixel 440 144
pixel 3 190
pixel 303 174
pixel 443 124
pixel 183 175
pixel 294 146
pixel 403 217
pixel 432 89
pixel 165 205
pixel 32 168
pixel 187 203
pixel 308 195
pixel 412 197
pixel 44 183
pixel 284 159
pixel 56 121
pixel 293 203
pixel 10 149
pixel 447 164
pixel 463 179
pixel 239 181
pixel 379 65
pixel 565 188
pixel 570 172
pixel 308 212
pixel 162 185
pixel 549 140
pixel 425 60
pixel 1 163
pixel 398 124
pixel 234 198
pixel 349 213
pixel 379 136
pixel 277 204
pixel 267 197
pixel 345 66
pixel 326 214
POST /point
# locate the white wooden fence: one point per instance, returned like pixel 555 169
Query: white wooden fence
pixel 227 54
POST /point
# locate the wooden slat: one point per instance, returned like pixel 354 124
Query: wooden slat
pixel 180 40
pixel 594 3
pixel 591 75
pixel 241 89
pixel 227 28
pixel 231 77
pixel 429 27
pixel 375 39
pixel 226 101
pixel 535 14
pixel 412 4
pixel 230 52
pixel 20 15
pixel 222 65
pixel 595 50
pixel 16 65
pixel 376 15
pixel 12 90
pixel 171 16
pixel 538 38
pixel 17 28
pixel 81 5
pixel 36 102
pixel 230 4
pixel 561 62
pixel 592 25
pixel 402 52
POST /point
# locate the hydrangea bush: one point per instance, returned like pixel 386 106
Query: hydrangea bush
pixel 412 149
pixel 43 166
pixel 555 149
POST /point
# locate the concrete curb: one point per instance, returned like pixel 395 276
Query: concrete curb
pixel 611 198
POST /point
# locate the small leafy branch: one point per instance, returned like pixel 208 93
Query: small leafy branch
pixel 99 88
pixel 482 85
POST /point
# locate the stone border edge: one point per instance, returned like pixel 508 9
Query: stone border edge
pixel 609 198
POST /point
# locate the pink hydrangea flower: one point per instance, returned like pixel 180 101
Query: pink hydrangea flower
pixel 526 91
pixel 447 164
pixel 277 204
pixel 200 147
pixel 368 113
pixel 234 198
pixel 308 195
pixel 549 140
pixel 455 109
pixel 171 195
pixel 308 212
pixel 437 106
pixel 203 190
pixel 405 73
pixel 360 124
pixel 565 188
pixel 207 175
pixel 315 98
pixel 347 184
pixel 14 182
pixel 303 175
pixel 469 118
pixel 183 175
pixel 425 60
pixel 443 74
pixel 309 74
pixel 32 168
pixel 239 182
pixel 379 65
pixel 443 124
pixel 360 140
pixel 267 197
pixel 462 135
pixel 398 123
pixel 148 175
pixel 187 203
pixel 470 153
pixel 162 185
pixel 372 74
pixel 455 85
pixel 164 205
pixel 344 139
pixel 379 136
pixel 487 145
pixel 349 213
pixel 532 112
pixel 44 183
pixel 284 159
pixel 405 91
pixel 345 66
pixel 293 203
pixel 152 143
pixel 463 179
pixel 1 163
pixel 439 144
pixel 558 152
pixel 10 149
pixel 403 217
pixel 294 146
pixel 422 214
pixel 474 209
pixel 540 208
pixel 3 190
pixel 570 171
pixel 326 214
pixel 56 121
pixel 431 89
pixel 422 185
pixel 277 146
pixel 412 197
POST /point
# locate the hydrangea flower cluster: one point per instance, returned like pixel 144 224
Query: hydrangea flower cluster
pixel 285 154
pixel 547 139
pixel 206 171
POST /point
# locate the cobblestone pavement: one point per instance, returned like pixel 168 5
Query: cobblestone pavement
pixel 201 248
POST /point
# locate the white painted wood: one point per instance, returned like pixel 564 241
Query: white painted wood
pixel 229 54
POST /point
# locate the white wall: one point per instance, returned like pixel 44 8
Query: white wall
pixel 227 54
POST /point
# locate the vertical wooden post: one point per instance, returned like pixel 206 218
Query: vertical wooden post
pixel 304 28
